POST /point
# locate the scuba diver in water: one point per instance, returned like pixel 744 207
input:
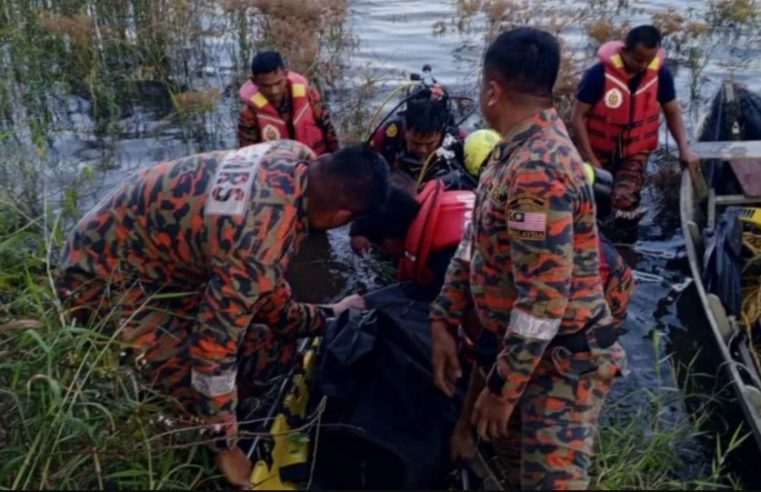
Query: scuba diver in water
pixel 423 231
pixel 427 225
pixel 423 141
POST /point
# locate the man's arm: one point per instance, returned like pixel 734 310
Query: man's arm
pixel 590 91
pixel 462 446
pixel 324 121
pixel 248 128
pixel 245 281
pixel 579 125
pixel 447 312
pixel 673 113
pixel 229 302
pixel 540 228
pixel 289 319
pixel 454 298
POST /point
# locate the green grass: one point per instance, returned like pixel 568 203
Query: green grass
pixel 645 444
pixel 639 452
pixel 72 417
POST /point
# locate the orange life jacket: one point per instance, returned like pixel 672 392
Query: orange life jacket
pixel 439 224
pixel 271 124
pixel 621 117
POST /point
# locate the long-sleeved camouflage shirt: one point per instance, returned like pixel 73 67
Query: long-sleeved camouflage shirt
pixel 533 249
pixel 249 132
pixel 224 224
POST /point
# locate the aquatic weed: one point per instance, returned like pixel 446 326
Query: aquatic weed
pixel 644 444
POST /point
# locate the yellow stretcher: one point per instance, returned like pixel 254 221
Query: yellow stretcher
pixel 288 455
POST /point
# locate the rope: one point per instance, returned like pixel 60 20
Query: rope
pixel 402 86
pixel 424 170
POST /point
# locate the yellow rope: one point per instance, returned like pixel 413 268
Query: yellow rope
pixel 424 170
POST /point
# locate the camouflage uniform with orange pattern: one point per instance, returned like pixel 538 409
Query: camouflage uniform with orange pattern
pixel 618 282
pixel 533 278
pixel 189 258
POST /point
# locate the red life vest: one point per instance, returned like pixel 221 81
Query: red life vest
pixel 272 125
pixel 439 224
pixel 631 119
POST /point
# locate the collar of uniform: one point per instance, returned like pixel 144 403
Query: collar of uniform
pixel 527 128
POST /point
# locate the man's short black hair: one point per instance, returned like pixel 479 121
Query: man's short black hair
pixel 391 221
pixel 647 35
pixel 425 115
pixel 359 177
pixel 527 60
pixel 266 62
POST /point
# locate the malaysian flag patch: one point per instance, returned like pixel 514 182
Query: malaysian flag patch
pixel 527 225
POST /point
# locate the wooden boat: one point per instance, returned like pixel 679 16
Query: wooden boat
pixel 701 205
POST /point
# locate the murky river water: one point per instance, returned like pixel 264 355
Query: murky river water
pixel 399 36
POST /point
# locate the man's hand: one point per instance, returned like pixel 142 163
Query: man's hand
pixel 236 467
pixel 446 366
pixel 490 416
pixel 689 159
pixel 595 162
pixel 462 445
pixel 354 301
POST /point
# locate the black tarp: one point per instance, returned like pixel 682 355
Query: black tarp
pixel 385 426
pixel 723 260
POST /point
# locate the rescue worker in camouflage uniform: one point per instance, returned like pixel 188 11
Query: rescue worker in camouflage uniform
pixel 528 264
pixel 190 255
pixel 616 114
pixel 618 289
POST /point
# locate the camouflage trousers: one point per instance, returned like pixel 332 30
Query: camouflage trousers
pixel 156 330
pixel 619 290
pixel 551 433
pixel 628 178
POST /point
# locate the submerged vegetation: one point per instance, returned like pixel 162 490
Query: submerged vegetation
pixel 77 76
pixel 77 79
